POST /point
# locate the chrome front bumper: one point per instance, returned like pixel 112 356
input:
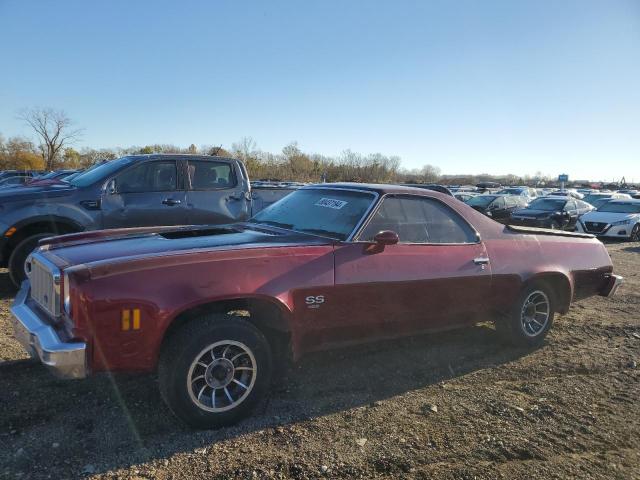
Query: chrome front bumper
pixel 40 340
pixel 612 286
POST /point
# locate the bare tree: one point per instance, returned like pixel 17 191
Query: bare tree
pixel 53 128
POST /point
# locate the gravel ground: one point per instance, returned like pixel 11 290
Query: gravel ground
pixel 457 405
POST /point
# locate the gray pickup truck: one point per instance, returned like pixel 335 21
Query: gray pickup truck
pixel 133 191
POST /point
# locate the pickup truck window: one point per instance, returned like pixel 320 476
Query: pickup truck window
pixel 324 212
pixel 206 175
pixel 419 220
pixel 148 177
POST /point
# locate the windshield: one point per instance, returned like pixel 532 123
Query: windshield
pixel 615 207
pixel 99 172
pixel 548 204
pixel 481 200
pixel 325 212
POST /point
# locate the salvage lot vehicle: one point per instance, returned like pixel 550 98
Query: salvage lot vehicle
pixel 498 207
pixel 134 191
pixel 554 212
pixel 614 219
pixel 215 309
pixel 594 197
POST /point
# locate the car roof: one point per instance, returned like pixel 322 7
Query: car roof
pixel 379 188
pixel 633 201
pixel 187 156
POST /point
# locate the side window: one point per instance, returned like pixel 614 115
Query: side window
pixel 419 220
pixel 498 203
pixel 570 205
pixel 510 202
pixel 148 177
pixel 206 175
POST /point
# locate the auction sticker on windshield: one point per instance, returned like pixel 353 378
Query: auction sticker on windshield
pixel 330 203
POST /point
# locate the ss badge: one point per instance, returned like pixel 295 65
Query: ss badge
pixel 314 301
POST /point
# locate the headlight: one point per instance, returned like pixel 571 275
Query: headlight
pixel 621 222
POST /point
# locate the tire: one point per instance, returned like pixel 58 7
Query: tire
pixel 516 326
pixel 20 254
pixel 555 225
pixel 211 392
pixel 635 233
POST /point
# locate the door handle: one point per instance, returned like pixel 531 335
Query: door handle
pixel 170 201
pixel 481 261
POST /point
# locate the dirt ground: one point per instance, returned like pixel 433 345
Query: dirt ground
pixel 449 406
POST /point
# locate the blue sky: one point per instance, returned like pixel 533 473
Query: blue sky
pixel 470 86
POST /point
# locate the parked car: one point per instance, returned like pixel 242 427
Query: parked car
pixel 629 191
pixel 566 193
pixel 16 180
pixel 528 193
pixel 19 173
pixel 614 219
pixel 215 309
pixel 488 187
pixel 465 196
pixel 592 197
pixel 498 207
pixel 139 190
pixel 556 213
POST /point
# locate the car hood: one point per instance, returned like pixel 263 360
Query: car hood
pixel 532 213
pixel 22 193
pixel 132 243
pixel 608 217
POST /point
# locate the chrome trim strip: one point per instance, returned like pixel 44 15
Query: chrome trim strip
pixel 40 340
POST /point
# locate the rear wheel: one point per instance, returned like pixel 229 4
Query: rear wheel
pixel 635 233
pixel 214 370
pixel 531 318
pixel 19 255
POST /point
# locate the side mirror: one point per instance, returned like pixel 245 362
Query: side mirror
pixel 381 240
pixel 111 187
pixel 386 237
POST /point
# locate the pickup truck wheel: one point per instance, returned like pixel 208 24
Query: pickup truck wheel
pixel 530 318
pixel 214 370
pixel 19 256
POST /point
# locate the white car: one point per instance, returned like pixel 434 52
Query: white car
pixel 614 219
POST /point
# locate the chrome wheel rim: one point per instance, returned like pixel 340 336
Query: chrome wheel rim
pixel 221 376
pixel 535 313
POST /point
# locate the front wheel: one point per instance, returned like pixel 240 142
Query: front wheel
pixel 214 370
pixel 531 318
pixel 635 233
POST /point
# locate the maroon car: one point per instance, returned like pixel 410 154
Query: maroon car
pixel 216 309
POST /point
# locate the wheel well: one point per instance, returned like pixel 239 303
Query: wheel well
pixel 559 285
pixel 56 227
pixel 263 314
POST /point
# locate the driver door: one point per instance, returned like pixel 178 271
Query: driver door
pixel 145 194
pixel 438 276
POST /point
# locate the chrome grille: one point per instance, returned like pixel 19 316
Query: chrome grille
pixel 45 283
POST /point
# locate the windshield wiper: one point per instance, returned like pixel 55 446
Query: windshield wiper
pixel 272 223
pixel 322 232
